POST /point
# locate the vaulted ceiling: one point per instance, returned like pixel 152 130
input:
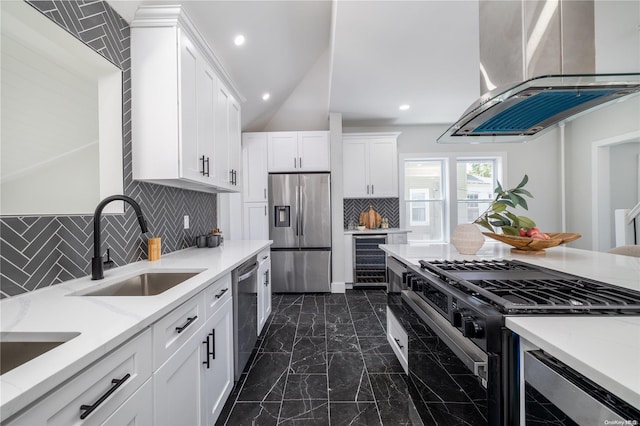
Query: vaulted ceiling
pixel 381 54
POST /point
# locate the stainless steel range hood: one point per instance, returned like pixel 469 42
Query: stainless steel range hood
pixel 526 110
pixel 549 46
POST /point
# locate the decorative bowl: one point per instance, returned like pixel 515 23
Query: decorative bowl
pixel 533 245
pixel 361 228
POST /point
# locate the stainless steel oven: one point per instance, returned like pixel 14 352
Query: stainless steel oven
pixel 465 303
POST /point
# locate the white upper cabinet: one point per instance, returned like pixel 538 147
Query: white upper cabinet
pixel 185 115
pixel 370 162
pixel 254 167
pixel 298 151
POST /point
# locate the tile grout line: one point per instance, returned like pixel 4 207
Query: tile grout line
pixel 326 357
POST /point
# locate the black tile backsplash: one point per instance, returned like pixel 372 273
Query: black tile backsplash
pixel 38 251
pixel 387 207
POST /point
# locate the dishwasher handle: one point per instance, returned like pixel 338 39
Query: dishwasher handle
pixel 251 272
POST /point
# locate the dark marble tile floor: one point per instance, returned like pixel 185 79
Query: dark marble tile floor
pixel 323 359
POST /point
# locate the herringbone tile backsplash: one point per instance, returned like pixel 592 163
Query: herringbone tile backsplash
pixel 387 207
pixel 38 251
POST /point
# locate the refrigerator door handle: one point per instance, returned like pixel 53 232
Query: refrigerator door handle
pixel 297 211
pixel 301 211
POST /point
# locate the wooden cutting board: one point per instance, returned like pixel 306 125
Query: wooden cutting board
pixel 371 218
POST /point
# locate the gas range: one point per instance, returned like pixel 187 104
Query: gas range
pixel 515 287
pixel 465 303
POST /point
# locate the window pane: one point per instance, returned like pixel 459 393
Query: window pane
pixel 425 220
pixel 469 211
pixel 476 180
pixel 423 180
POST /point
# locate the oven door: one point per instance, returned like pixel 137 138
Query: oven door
pixel 556 394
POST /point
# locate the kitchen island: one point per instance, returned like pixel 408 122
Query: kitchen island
pixel 601 348
pixel 96 326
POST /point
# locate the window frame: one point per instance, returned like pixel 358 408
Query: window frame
pixel 449 185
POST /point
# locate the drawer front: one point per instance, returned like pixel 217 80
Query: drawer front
pixel 173 330
pixel 105 386
pixel 398 339
pixel 264 255
pixel 137 410
pixel 217 293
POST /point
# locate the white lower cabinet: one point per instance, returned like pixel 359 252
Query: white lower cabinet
pixel 179 371
pixel 95 395
pixel 217 380
pixel 193 385
pixel 264 288
pixel 398 339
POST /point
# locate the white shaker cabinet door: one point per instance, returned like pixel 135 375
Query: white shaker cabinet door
pixel 255 174
pixel 383 168
pixel 283 152
pixel 188 76
pixel 256 221
pixel 313 151
pixel 356 171
pixel 217 365
pixel 177 386
pixel 235 146
pixel 221 147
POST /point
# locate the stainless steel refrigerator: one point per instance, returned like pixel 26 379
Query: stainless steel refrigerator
pixel 300 227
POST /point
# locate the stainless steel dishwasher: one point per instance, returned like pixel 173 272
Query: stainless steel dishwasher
pixel 245 312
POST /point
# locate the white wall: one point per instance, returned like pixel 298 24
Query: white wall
pixel 307 108
pixel 337 204
pixel 540 159
pixel 583 135
pixel 624 182
pixel 617 36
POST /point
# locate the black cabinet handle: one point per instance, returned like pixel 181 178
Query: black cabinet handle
pixel 266 278
pixel 398 343
pixel 88 409
pixel 206 361
pixel 207 173
pixel 190 320
pixel 213 341
pixel 223 291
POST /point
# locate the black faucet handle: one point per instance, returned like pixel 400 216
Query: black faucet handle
pixel 108 264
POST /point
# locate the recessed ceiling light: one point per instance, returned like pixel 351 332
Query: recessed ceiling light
pixel 404 107
pixel 266 96
pixel 239 40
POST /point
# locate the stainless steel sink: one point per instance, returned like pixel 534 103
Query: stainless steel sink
pixel 19 348
pixel 147 284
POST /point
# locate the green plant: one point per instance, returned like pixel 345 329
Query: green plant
pixel 497 215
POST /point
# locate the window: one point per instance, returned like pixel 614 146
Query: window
pixel 439 193
pixel 475 181
pixel 423 194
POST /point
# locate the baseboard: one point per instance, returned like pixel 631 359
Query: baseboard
pixel 338 287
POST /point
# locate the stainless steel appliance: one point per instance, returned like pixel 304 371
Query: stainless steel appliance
pixel 369 261
pixel 465 302
pixel 300 227
pixel 245 312
pixel 397 275
pixel 527 110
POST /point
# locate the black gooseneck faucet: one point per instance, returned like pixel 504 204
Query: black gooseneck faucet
pixel 97 268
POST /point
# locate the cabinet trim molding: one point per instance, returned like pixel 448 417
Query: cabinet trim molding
pixel 171 16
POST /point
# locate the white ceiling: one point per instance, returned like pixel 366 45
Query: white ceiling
pixel 384 53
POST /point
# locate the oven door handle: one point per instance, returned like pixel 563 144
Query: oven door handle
pixel 472 356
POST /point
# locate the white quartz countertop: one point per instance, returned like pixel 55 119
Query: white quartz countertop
pixel 377 231
pixel 603 349
pixel 101 323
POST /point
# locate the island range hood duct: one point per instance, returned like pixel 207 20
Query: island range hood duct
pixel 548 46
